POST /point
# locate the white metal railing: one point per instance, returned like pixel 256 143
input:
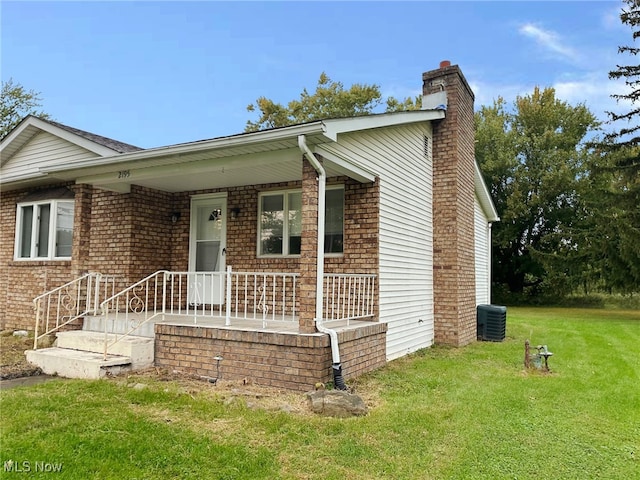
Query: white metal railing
pixel 348 296
pixel 71 301
pixel 136 304
pixel 261 296
pixel 248 295
pixel 229 295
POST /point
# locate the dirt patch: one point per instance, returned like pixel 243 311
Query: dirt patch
pixel 13 363
pixel 231 392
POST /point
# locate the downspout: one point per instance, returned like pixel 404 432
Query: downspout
pixel 338 381
pixel 490 262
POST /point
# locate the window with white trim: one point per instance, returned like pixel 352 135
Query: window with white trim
pixel 280 222
pixel 44 230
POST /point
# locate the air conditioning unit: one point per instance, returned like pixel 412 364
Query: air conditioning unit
pixel 492 322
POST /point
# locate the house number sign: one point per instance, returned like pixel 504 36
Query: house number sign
pixel 124 173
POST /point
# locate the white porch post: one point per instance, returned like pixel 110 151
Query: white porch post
pixel 227 319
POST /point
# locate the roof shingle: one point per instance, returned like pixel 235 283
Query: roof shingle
pixel 116 145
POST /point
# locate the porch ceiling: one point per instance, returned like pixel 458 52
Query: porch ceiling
pixel 272 162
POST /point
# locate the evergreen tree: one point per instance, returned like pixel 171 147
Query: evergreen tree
pixel 613 194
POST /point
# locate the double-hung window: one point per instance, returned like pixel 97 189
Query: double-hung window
pixel 280 222
pixel 44 230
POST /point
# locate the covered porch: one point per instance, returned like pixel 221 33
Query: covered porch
pixel 245 325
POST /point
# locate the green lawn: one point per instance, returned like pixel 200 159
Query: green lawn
pixel 440 414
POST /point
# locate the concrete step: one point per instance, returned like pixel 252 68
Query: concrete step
pixel 77 364
pixel 140 350
pixel 121 325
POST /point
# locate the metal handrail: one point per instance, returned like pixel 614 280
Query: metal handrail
pixel 137 299
pixel 69 302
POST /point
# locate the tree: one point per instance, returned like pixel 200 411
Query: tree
pixel 395 105
pixel 330 100
pixel 626 139
pixel 608 233
pixel 612 196
pixel 629 135
pixel 16 103
pixel 532 158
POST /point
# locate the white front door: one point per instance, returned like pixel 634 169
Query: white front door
pixel 207 250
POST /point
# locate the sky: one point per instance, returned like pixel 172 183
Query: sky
pixel 160 73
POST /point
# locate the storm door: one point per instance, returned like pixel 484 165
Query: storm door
pixel 207 250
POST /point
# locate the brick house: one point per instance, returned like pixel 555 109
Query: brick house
pixel 273 255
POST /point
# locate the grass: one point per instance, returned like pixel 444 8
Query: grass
pixel 442 413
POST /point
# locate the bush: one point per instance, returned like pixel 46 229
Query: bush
pixel 502 296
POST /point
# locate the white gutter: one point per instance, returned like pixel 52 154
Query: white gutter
pixel 322 181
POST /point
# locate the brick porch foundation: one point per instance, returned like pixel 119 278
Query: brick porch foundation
pixel 283 360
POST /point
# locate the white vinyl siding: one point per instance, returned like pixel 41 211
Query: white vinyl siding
pixel 43 150
pixel 483 255
pixel 397 156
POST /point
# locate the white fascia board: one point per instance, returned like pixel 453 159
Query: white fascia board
pixel 19 181
pixel 21 178
pixel 214 144
pixel 345 166
pixel 336 126
pixel 484 197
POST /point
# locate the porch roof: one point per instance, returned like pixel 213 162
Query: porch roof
pixel 258 157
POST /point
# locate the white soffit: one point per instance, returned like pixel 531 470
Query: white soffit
pixel 337 126
pixel 343 166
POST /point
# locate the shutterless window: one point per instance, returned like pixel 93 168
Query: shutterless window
pixel 280 217
pixel 44 230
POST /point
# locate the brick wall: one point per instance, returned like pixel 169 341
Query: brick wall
pixel 22 281
pixel 309 248
pixel 280 360
pixel 360 225
pixel 453 194
pixel 125 234
pixel 130 234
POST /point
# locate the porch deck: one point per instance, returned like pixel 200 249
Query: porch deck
pixel 288 326
pixel 257 325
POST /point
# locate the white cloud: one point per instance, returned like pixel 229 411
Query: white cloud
pixel 549 40
pixel 611 19
pixel 593 89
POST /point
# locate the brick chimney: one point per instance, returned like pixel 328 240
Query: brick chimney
pixel 453 212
